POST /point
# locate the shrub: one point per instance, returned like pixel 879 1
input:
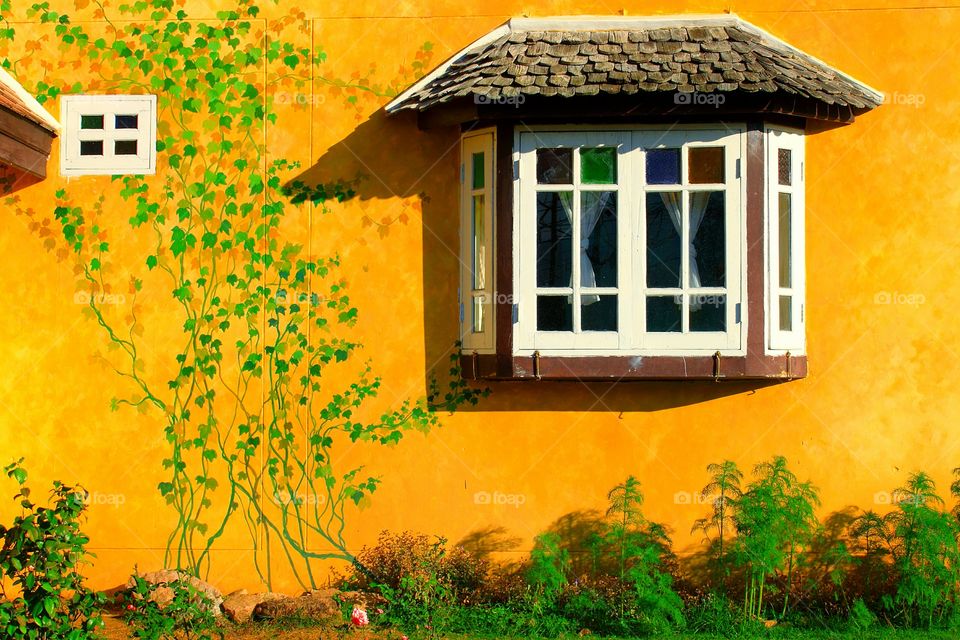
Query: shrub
pixel 186 613
pixel 923 542
pixel 40 553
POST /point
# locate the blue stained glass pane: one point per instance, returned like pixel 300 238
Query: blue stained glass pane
pixel 663 166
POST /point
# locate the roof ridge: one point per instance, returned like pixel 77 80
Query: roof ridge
pixel 37 111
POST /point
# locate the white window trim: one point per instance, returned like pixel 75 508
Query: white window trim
pixel 72 107
pixel 779 342
pixel 631 340
pixel 480 141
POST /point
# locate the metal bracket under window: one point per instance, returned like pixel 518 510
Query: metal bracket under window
pixel 536 365
pixel 716 366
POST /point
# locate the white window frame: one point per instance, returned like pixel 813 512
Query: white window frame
pixel 778 341
pixel 72 107
pixel 483 142
pixel 631 338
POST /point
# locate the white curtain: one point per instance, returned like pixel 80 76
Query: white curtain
pixel 589 216
pixel 698 207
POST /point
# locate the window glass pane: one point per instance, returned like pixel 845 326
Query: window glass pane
pixel 479 314
pixel 555 166
pixel 478 169
pixel 125 147
pixel 784 240
pixel 554 239
pixel 479 242
pixel 708 312
pixel 705 165
pixel 708 247
pixel 91 147
pixel 598 223
pixel 91 122
pixel 663 239
pixel 598 166
pixel 125 122
pixel 783 166
pixel 598 313
pixel 554 313
pixel 786 313
pixel 663 314
pixel 663 166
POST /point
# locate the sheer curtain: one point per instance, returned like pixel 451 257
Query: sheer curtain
pixel 698 207
pixel 589 216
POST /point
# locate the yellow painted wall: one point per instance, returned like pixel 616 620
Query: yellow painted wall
pixel 880 399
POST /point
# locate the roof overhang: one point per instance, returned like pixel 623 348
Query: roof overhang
pixel 634 66
pixel 27 130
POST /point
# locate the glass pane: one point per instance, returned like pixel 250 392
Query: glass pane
pixel 555 166
pixel 479 243
pixel 478 168
pixel 125 122
pixel 598 166
pixel 708 247
pixel 554 239
pixel 784 240
pixel 91 122
pixel 479 314
pixel 786 313
pixel 705 165
pixel 554 313
pixel 125 147
pixel 598 313
pixel 663 239
pixel 598 222
pixel 783 166
pixel 708 312
pixel 663 166
pixel 91 147
pixel 663 314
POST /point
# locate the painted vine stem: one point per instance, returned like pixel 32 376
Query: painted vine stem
pixel 264 387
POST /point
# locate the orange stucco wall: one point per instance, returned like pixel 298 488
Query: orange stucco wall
pixel 880 399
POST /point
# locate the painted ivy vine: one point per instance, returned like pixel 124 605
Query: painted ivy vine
pixel 265 382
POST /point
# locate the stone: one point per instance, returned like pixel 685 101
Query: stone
pixel 162 594
pixel 322 605
pixel 239 606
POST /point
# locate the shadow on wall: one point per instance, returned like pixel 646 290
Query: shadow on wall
pixel 388 158
pixel 13 179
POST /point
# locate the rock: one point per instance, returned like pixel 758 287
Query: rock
pixel 162 594
pixel 320 605
pixel 239 606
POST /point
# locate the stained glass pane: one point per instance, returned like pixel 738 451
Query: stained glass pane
pixel 598 313
pixel 91 147
pixel 663 314
pixel 598 166
pixel 784 240
pixel 663 239
pixel 91 122
pixel 786 313
pixel 705 165
pixel 479 242
pixel 783 166
pixel 663 166
pixel 707 228
pixel 554 239
pixel 708 312
pixel 554 313
pixel 125 122
pixel 125 147
pixel 555 166
pixel 478 169
pixel 598 221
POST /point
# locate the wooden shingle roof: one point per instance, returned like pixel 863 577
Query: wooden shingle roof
pixel 14 98
pixel 569 57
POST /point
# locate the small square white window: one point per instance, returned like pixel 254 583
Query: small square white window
pixel 108 135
